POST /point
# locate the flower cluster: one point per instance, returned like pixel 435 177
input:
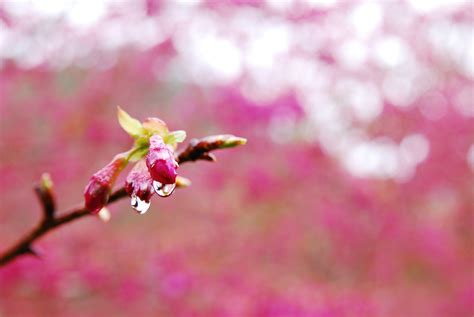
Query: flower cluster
pixel 156 167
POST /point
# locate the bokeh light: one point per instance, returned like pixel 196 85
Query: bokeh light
pixel 353 197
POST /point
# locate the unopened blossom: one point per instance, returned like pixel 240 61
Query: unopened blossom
pixel 139 182
pixel 160 161
pixel 97 191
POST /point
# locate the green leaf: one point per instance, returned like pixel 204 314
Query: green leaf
pixel 131 125
pixel 175 137
pixel 137 154
pixel 142 141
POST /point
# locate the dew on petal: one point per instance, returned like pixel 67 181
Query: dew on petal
pixel 163 190
pixel 139 205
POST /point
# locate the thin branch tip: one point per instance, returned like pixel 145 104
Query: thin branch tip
pixel 45 192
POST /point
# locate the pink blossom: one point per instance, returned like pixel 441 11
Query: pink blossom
pixel 139 182
pixel 97 191
pixel 160 161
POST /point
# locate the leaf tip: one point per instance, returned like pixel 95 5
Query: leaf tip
pixel 131 125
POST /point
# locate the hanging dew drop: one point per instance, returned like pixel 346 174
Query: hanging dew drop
pixel 163 190
pixel 139 205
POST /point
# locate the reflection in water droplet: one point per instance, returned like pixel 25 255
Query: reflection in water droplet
pixel 163 190
pixel 139 205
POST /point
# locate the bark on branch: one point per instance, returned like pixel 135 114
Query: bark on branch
pixel 196 150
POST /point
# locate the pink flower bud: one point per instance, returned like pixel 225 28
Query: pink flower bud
pixel 160 161
pixel 97 191
pixel 139 182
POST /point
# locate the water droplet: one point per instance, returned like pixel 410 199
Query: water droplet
pixel 163 190
pixel 139 205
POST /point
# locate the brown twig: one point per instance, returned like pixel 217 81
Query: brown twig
pixel 25 245
pixel 196 150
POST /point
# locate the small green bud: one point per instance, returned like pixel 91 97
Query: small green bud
pixel 231 141
pixel 223 141
pixel 182 182
pixel 46 183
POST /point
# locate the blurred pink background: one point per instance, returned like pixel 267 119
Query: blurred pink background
pixel 353 197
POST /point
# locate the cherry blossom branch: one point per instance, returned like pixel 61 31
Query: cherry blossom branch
pixel 196 150
pixel 24 246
